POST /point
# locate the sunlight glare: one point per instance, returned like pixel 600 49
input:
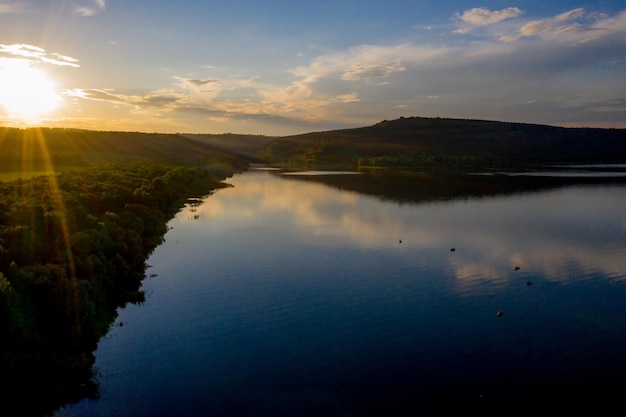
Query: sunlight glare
pixel 26 93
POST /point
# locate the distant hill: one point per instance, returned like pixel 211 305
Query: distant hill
pixel 46 149
pixel 405 142
pixel 245 146
pixel 424 142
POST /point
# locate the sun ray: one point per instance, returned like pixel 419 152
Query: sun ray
pixel 35 145
pixel 48 167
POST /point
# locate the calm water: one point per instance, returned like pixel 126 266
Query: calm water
pixel 285 297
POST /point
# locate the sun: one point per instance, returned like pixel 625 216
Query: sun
pixel 26 93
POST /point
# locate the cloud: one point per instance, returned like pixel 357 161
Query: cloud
pixel 199 83
pixel 480 16
pixel 615 24
pixel 64 59
pixel 94 94
pixel 12 8
pixel 267 105
pixel 163 99
pixel 22 49
pixel 608 107
pixel 196 83
pixel 345 98
pixel 223 115
pixel 572 14
pixel 571 22
pixel 35 54
pixel 368 71
pixel 362 63
pixel 90 9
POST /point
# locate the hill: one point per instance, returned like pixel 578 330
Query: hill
pixel 424 142
pixel 34 151
pixel 244 146
pixel 413 142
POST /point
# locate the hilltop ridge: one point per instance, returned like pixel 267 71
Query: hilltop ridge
pixel 419 141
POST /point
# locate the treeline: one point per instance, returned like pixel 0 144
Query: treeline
pixel 438 142
pixel 73 248
pixel 46 149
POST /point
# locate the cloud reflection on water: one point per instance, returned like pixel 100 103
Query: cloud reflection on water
pixel 563 235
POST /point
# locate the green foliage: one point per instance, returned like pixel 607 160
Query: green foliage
pixel 5 285
pixel 73 248
pixel 25 152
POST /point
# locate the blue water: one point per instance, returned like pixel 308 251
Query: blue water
pixel 290 298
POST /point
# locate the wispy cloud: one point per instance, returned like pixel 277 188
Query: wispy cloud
pixel 480 16
pixel 554 24
pixel 221 115
pixel 35 54
pixel 12 8
pixel 197 84
pixel 368 71
pixel 91 8
pixel 364 62
pixel 163 99
pixel 575 25
pixel 572 23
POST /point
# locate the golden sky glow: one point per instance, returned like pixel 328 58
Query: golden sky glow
pixel 284 67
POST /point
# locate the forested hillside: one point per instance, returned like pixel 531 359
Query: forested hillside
pixel 74 242
pixel 432 142
pixel 244 146
pixel 43 150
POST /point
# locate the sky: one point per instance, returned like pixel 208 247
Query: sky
pixel 283 67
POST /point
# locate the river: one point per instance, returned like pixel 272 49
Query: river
pixel 286 296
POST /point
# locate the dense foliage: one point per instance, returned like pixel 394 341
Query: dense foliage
pixel 54 149
pixel 437 142
pixel 73 247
